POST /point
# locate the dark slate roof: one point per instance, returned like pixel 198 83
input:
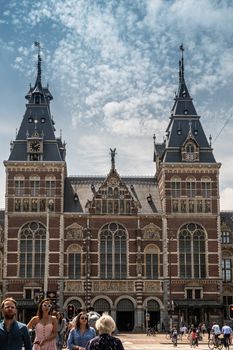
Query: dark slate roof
pixel 143 189
pixel 38 119
pixel 184 123
pixel 227 218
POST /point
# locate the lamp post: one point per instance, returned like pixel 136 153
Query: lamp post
pixel 170 280
pixel 46 263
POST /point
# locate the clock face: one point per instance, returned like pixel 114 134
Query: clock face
pixel 35 146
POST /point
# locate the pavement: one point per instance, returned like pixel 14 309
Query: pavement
pixel 141 341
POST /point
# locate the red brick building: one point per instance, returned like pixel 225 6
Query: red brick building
pixel 130 246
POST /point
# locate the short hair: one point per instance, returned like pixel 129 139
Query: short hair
pixel 105 324
pixel 8 299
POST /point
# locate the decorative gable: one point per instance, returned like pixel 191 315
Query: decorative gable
pixel 112 197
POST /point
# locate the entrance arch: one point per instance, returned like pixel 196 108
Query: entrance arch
pixel 153 309
pixel 125 315
pixel 102 305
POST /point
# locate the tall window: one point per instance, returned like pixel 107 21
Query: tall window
pixel 74 262
pixel 192 251
pixel 206 188
pixel 226 269
pixel 50 187
pixel 113 252
pixel 151 262
pixel 32 250
pixel 191 188
pixel 35 186
pixel 19 186
pixel 176 187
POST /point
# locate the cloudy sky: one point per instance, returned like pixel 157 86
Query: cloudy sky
pixel 112 67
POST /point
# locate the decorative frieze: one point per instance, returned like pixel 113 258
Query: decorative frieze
pixel 113 286
pixel 152 286
pixel 74 232
pixel 74 286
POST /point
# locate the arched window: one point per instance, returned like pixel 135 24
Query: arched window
pixel 74 262
pixel 113 252
pixel 151 262
pixel 32 250
pixel 191 187
pixel 192 251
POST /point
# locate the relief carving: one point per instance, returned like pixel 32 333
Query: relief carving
pixel 74 232
pixel 113 286
pixel 151 232
pixel 152 286
pixel 74 286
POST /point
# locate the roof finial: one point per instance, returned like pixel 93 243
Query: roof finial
pixel 181 64
pixel 113 154
pixel 38 80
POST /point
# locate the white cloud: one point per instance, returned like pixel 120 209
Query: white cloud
pixel 226 199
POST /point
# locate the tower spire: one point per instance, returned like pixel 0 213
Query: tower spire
pixel 38 79
pixel 181 64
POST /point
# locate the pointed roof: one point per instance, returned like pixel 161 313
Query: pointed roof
pixel 38 120
pixel 184 123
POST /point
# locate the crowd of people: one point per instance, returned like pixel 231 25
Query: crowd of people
pixel 87 331
pixel 195 334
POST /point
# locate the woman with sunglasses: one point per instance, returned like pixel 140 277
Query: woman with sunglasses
pixel 80 335
pixel 45 326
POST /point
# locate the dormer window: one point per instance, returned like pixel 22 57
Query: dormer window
pixel 37 99
pixel 190 151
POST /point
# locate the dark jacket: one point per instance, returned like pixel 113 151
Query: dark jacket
pixel 104 342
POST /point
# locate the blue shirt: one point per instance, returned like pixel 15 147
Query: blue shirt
pixel 15 338
pixel 78 338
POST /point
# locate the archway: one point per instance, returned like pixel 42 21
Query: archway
pixel 101 306
pixel 153 309
pixel 125 315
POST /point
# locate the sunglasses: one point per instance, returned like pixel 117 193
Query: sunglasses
pixel 83 318
pixel 47 305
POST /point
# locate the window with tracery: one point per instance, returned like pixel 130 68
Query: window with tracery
pixel 32 250
pixel 74 262
pixel 151 262
pixel 113 252
pixel 192 251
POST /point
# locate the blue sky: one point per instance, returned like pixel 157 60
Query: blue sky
pixel 112 67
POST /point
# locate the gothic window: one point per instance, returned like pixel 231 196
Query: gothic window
pixel 227 269
pixel 50 186
pixel 191 187
pixel 176 187
pixel 35 186
pixel 113 252
pixel 74 262
pixel 206 188
pixel 19 186
pixel 192 251
pixel 151 262
pixel 32 250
